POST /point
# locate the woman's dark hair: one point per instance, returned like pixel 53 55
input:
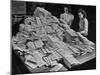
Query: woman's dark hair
pixel 83 12
pixel 69 7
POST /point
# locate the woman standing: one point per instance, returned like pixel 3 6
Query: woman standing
pixel 67 17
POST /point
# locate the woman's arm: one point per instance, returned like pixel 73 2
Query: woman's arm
pixel 85 31
pixel 71 20
pixel 62 18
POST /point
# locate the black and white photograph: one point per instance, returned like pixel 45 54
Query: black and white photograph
pixel 52 37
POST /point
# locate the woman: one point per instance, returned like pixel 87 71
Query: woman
pixel 66 17
pixel 83 22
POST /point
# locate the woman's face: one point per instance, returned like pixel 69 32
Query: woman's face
pixel 80 15
pixel 66 9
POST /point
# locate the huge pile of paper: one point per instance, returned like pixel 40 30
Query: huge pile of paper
pixel 40 41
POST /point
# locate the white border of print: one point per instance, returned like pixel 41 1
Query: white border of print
pixel 5 51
